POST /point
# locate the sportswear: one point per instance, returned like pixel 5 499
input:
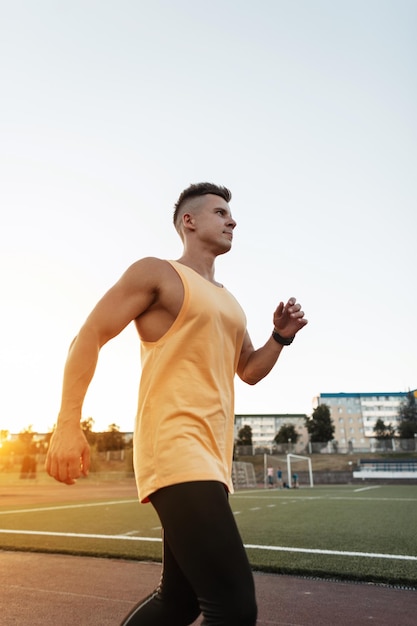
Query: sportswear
pixel 185 420
pixel 204 567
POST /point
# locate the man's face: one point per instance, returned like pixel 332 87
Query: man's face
pixel 214 223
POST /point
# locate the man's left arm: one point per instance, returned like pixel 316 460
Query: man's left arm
pixel 254 364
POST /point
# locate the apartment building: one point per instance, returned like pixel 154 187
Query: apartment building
pixel 355 414
pixel 265 427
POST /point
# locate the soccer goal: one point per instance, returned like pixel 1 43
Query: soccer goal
pixel 294 463
pixel 283 471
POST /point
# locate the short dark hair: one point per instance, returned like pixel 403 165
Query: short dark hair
pixel 200 189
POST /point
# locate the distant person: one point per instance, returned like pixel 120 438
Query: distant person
pixel 279 477
pixel 193 341
pixel 270 472
pixel 295 481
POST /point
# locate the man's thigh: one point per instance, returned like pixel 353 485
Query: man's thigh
pixel 204 540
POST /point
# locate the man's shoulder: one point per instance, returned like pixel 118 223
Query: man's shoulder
pixel 150 270
pixel 149 264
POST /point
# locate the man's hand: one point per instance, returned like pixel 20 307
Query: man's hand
pixel 253 364
pixel 289 318
pixel 68 455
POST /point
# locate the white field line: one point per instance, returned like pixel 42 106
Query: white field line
pixel 68 506
pixel 364 499
pixel 44 533
pixel 241 497
pixel 371 555
pixel 367 488
pixel 285 498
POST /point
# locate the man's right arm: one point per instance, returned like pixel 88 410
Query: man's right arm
pixel 68 454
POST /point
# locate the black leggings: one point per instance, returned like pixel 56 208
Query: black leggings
pixel 205 567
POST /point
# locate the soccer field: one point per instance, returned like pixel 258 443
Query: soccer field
pixel 356 532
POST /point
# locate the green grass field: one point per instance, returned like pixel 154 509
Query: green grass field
pixel 363 532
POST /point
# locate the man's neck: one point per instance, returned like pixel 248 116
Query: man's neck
pixel 203 265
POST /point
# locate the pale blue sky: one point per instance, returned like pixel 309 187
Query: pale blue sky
pixel 306 110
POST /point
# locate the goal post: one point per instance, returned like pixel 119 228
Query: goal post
pixel 296 458
pixel 279 470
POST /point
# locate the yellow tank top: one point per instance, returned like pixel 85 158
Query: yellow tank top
pixel 184 425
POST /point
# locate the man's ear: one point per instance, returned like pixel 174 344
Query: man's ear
pixel 188 221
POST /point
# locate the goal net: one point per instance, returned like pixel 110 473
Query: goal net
pixel 289 471
pixel 243 475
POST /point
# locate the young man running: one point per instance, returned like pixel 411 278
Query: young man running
pixel 193 342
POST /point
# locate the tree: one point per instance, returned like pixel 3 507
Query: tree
pixel 383 431
pixel 407 427
pixel 25 438
pixel 287 433
pixel 111 439
pixel 4 435
pixel 320 425
pixel 87 428
pixel 244 436
pixel 47 439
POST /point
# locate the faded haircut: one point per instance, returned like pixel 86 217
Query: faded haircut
pixel 195 191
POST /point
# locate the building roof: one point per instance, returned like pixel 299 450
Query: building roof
pixel 368 394
pixel 276 415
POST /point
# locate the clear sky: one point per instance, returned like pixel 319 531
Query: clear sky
pixel 305 109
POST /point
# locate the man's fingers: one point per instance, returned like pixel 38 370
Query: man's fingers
pixel 68 456
pixel 279 309
pixel 56 470
pixel 85 461
pixel 64 471
pixel 73 469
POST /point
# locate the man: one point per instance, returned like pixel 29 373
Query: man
pixel 270 477
pixel 193 341
pixel 279 477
